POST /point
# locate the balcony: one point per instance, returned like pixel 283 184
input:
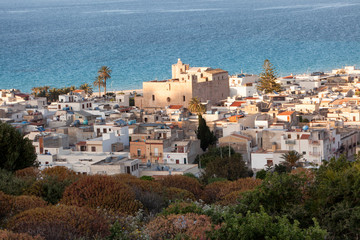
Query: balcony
pixel 292 142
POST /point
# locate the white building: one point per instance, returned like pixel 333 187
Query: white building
pixel 243 85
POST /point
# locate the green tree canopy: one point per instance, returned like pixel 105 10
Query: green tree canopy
pixel 231 168
pixel 267 82
pixel 16 152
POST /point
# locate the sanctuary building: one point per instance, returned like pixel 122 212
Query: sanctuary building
pixel 207 84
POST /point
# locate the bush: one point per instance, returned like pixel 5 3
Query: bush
pixel 263 226
pixel 173 193
pixel 101 192
pixel 148 178
pixel 12 205
pixel 240 185
pixel 261 174
pixel 60 222
pixel 190 184
pixel 211 191
pixel 183 208
pixel 10 184
pixel 188 226
pixel 8 235
pixel 61 173
pixel 5 203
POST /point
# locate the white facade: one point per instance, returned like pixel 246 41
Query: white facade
pixel 243 85
pixel 123 100
pixel 122 132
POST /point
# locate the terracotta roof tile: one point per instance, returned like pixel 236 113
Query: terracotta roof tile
pixel 286 113
pixel 175 106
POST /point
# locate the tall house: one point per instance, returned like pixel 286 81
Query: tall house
pixel 205 83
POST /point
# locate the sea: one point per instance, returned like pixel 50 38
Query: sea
pixel 64 42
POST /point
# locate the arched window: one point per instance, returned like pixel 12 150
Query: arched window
pixel 168 99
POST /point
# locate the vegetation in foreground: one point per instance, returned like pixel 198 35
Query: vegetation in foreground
pixel 302 204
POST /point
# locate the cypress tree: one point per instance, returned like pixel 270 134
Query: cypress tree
pixel 203 133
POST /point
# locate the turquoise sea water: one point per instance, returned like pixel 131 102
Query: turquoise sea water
pixel 61 43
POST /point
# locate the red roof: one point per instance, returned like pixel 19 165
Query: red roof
pixel 175 106
pixel 305 136
pixel 82 143
pixel 237 104
pixel 79 90
pixel 286 113
pixel 288 77
pixel 251 98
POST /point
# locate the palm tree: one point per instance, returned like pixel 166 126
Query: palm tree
pixel 104 72
pixel 35 91
pixel 99 82
pixel 292 157
pixel 87 88
pixel 196 106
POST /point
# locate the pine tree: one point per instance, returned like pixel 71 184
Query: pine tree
pixel 268 77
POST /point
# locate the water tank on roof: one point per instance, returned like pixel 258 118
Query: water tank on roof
pixel 305 128
pixel 85 122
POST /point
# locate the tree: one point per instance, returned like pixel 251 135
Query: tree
pixel 99 82
pixel 87 88
pixel 105 74
pixel 291 158
pixel 231 168
pixel 196 106
pixel 267 81
pixel 16 152
pixel 203 133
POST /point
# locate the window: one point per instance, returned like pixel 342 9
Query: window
pixel 304 152
pixel 184 160
pixel 138 152
pixel 269 162
pixel 93 149
pixel 105 130
pixel 168 99
pixel 153 97
pixel 177 161
pixel 184 98
pixel 289 136
pixel 128 170
pixel 298 136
